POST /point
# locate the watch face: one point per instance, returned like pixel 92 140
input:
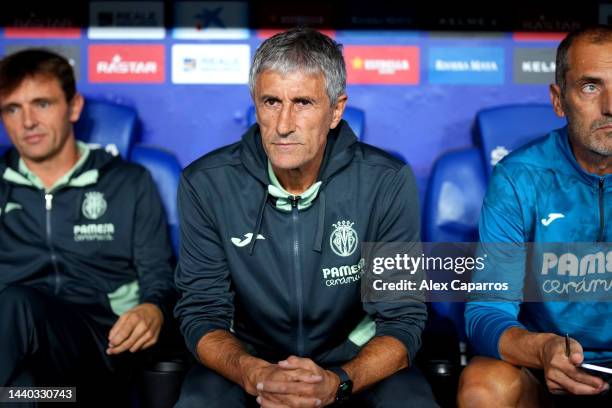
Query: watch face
pixel 344 391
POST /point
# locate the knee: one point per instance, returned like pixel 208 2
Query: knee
pixel 488 382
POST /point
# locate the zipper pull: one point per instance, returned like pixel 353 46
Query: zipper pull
pixel 294 201
pixel 48 201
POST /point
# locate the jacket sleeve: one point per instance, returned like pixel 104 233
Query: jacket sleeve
pixel 501 222
pixel 202 275
pixel 152 250
pixel 397 210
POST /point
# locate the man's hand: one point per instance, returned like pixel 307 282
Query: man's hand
pixel 300 383
pixel 563 374
pixel 136 329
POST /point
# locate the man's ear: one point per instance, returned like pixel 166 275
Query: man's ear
pixel 76 107
pixel 555 98
pixel 338 110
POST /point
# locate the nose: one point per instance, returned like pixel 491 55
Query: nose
pixel 286 121
pixel 29 119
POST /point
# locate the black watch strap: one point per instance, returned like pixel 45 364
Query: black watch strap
pixel 339 371
pixel 345 388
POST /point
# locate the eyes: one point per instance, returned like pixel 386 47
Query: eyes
pixel 43 103
pixel 589 88
pixel 271 102
pixel 276 103
pixel 38 104
pixel 9 110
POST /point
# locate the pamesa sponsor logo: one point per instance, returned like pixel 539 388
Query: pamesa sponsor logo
pixel 94 206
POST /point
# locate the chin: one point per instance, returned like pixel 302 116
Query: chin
pixel 285 166
pixel 285 162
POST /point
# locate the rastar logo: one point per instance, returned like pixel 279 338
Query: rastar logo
pixel 117 63
pixel 118 66
pixel 382 65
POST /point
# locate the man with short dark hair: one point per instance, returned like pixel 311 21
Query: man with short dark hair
pixel 554 190
pixel 270 261
pixel 85 259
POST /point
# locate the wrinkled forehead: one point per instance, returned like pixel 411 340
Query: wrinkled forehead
pixel 284 67
pixel 291 80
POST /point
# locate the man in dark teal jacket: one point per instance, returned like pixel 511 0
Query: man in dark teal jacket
pixel 85 260
pixel 270 262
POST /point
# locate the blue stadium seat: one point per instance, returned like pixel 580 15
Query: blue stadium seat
pixel 459 178
pixel 500 130
pixel 108 124
pixel 354 116
pixel 165 169
pixel 454 196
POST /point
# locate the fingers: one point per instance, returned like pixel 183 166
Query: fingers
pixel 136 329
pixel 136 333
pixel 555 388
pixel 146 340
pixel 577 355
pixel 580 376
pixel 122 329
pixel 266 401
pixel 118 331
pixel 293 362
pixel 298 374
pixel 284 387
pixel 559 378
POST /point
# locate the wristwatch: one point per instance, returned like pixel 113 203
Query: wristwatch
pixel 345 388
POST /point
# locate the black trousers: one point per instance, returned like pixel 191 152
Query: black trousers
pixel 205 388
pixel 47 341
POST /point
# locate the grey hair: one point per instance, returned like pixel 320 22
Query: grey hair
pixel 305 50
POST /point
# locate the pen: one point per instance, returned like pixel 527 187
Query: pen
pixel 567 346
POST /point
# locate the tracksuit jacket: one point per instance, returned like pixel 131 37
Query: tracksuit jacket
pixel 281 272
pixel 98 236
pixel 540 194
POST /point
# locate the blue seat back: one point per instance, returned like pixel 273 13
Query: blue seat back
pixel 108 124
pixel 165 170
pixel 454 197
pixel 458 180
pixel 502 129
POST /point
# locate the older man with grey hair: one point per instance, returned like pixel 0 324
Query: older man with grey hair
pixel 270 261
